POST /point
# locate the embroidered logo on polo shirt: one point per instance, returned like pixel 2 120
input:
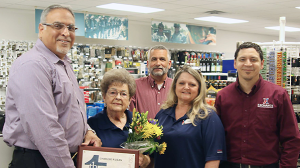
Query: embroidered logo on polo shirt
pixel 265 104
pixel 219 151
pixel 187 121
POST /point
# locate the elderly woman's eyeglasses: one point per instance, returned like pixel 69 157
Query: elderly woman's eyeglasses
pixel 114 93
pixel 61 26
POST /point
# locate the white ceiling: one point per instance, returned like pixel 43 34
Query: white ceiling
pixel 259 13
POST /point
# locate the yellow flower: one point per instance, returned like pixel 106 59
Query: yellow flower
pixel 157 130
pixel 133 114
pixel 148 131
pixel 163 147
pixel 151 130
pixel 143 129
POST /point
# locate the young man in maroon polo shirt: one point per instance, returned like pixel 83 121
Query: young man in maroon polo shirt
pixel 258 117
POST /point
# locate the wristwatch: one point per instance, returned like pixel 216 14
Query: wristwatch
pixel 90 129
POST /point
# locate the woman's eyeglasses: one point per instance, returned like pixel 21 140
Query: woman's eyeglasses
pixel 114 93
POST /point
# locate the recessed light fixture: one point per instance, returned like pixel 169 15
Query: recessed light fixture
pixel 221 20
pixel 129 8
pixel 286 28
pixel 298 7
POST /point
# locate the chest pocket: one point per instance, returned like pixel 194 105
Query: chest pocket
pixel 266 119
pixel 62 89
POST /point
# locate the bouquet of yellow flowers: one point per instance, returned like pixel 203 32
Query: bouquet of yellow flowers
pixel 142 133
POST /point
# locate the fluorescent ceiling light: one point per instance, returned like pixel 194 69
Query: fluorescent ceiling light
pixel 221 20
pixel 129 8
pixel 286 28
pixel 298 7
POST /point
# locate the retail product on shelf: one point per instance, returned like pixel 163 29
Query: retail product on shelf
pixel 9 52
pixel 279 68
pixel 263 72
pixel 91 61
pixel 207 62
pixel 219 63
pixel 283 68
pixel 284 64
pixel 217 84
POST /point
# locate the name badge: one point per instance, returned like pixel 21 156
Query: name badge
pixel 187 121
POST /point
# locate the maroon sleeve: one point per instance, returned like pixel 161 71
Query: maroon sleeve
pixel 289 133
pixel 132 104
pixel 218 104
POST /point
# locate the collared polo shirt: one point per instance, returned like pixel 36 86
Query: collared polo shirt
pixel 148 97
pixel 190 146
pixel 109 133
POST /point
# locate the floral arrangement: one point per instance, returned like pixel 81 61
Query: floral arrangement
pixel 142 134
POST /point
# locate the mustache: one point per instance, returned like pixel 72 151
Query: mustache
pixel 64 39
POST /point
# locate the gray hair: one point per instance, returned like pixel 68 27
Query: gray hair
pixel 52 7
pixel 118 76
pixel 159 47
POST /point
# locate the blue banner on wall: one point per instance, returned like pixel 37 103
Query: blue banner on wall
pixel 106 27
pixel 182 33
pixel 38 13
pixel 79 22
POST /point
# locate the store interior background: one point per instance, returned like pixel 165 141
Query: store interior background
pixel 18 23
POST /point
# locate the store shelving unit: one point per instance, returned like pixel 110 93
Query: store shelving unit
pixel 292 52
pixel 215 74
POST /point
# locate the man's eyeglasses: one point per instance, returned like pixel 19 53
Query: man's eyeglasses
pixel 114 93
pixel 61 26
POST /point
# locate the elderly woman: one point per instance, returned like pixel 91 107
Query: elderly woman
pixel 112 124
pixel 192 130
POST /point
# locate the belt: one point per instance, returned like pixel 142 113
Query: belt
pixel 240 165
pixel 17 148
pixel 24 149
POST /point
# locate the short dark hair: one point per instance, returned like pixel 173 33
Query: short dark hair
pixel 249 45
pixel 161 25
pixel 177 25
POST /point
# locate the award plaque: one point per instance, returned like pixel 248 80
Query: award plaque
pixel 98 157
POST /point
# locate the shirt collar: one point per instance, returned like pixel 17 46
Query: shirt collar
pixel 66 58
pixel 40 46
pixel 171 112
pixel 107 124
pixel 255 87
pixel 152 82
